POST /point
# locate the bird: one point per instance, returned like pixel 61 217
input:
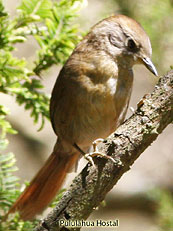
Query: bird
pixel 89 101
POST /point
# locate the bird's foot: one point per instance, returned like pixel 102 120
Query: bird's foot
pixel 97 153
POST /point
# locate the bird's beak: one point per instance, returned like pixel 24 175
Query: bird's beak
pixel 149 65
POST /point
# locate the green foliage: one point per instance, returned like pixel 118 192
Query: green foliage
pixel 60 36
pixel 5 126
pixel 57 198
pixel 164 202
pixel 9 192
pixel 166 210
pixel 51 24
pixel 15 77
pixel 57 36
pixel 15 224
pixel 8 181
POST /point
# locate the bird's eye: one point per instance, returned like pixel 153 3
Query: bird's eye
pixel 131 45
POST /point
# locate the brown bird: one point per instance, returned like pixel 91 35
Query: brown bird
pixel 89 101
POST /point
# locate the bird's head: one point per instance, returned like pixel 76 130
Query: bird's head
pixel 124 38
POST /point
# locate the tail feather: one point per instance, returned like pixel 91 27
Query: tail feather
pixel 44 186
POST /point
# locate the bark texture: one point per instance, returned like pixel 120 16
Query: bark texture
pixel 154 112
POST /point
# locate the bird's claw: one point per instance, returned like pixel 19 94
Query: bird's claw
pixel 89 156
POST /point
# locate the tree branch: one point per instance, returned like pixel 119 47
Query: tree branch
pixel 89 188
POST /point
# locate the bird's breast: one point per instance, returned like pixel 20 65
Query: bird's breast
pixel 97 115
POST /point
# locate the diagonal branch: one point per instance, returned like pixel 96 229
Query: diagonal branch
pixel 89 188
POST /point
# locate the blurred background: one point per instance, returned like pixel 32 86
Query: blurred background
pixel 133 199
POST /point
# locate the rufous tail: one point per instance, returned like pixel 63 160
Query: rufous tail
pixel 44 186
